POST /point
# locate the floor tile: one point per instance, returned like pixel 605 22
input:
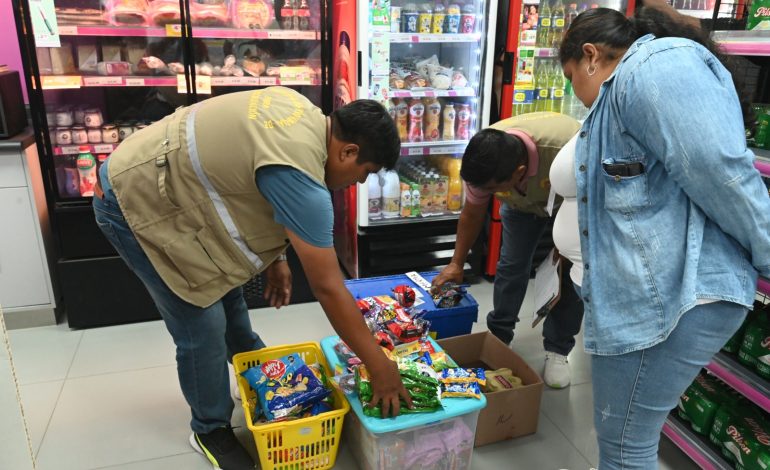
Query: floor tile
pixel 124 347
pixel 43 354
pixel 117 418
pixel 571 410
pixel 292 324
pixel 14 447
pixel 39 402
pixel 188 461
pixel 671 458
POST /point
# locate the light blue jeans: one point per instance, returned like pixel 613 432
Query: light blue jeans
pixel 634 392
pixel 205 338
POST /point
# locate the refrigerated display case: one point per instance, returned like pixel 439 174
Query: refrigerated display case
pixel 100 70
pixel 429 65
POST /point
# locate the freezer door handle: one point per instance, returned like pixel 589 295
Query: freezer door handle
pixel 359 68
pixel 508 61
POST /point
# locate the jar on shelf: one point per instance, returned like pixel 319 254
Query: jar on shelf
pixel 94 135
pixel 125 129
pixel 64 117
pixel 79 135
pixel 80 115
pixel 63 136
pixel 93 117
pixel 110 134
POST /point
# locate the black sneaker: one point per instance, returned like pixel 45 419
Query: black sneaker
pixel 223 449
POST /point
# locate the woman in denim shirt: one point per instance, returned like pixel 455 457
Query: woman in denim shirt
pixel 674 220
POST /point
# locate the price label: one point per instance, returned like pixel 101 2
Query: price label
pixel 444 150
pixel 53 82
pixel 68 30
pixel 104 148
pixel 181 83
pixel 69 150
pixel 102 81
pixel 268 81
pixel 134 82
pixel 415 151
pixel 418 94
pixel 203 84
pixel 174 30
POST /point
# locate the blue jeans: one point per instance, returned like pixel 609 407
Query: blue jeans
pixel 634 392
pixel 521 234
pixel 205 338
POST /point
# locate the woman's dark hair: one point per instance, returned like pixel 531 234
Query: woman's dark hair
pixel 368 124
pixel 612 29
pixel 492 155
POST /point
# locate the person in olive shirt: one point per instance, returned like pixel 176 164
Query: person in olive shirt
pixel 511 160
pixel 200 202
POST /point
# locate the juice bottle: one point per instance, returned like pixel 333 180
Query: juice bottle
pixel 416 204
pixel 391 195
pixel 455 194
pixel 375 196
pixel 86 164
pixel 416 113
pixel 463 131
pixel 406 200
pixel 449 122
pixel 432 118
pixel 440 193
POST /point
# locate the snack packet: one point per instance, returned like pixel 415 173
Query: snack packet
pixel 460 390
pixel 501 379
pixel 285 387
pixel 423 388
pixel 464 376
pixel 448 295
pixel 439 361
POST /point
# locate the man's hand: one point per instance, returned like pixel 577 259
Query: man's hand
pixel 451 273
pixel 278 290
pixel 387 388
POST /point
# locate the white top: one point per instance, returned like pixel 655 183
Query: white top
pixel 566 234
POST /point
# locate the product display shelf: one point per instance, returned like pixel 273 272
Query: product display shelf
pixel 743 380
pixel 431 93
pixel 763 286
pixel 693 445
pixel 439 216
pixel 747 43
pixel 57 82
pixel 763 161
pixel 174 30
pixel 422 37
pixel 75 149
pixel 439 147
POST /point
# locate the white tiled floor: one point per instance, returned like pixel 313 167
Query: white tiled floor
pixel 108 398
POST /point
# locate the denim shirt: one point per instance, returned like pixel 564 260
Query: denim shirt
pixel 694 225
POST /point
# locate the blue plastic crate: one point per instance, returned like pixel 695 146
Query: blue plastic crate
pixel 444 322
pixel 453 407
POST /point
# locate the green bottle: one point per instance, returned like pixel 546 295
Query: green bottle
pixel 556 89
pixel 544 26
pixel 541 86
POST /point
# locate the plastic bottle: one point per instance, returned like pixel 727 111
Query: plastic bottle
pixel 391 195
pixel 556 89
pixel 455 193
pixel 541 86
pixel 544 25
pixel 440 192
pixel 426 193
pixel 416 113
pixel 375 196
pixel 416 205
pixel 557 25
pixel 406 200
pixel 463 131
pixel 449 122
pixel 86 164
pixel 583 7
pixel 572 13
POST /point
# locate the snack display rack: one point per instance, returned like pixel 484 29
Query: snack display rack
pixel 98 71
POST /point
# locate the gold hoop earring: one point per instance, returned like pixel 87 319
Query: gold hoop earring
pixel 591 70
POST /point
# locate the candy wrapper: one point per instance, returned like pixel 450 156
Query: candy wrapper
pixel 464 376
pixel 448 295
pixel 346 355
pixel 461 390
pixel 405 295
pixel 285 387
pixel 419 380
pixel 439 361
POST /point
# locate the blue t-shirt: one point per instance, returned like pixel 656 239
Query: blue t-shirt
pixel 300 204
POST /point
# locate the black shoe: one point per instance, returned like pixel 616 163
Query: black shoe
pixel 223 449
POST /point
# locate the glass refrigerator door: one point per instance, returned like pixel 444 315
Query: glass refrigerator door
pixel 106 70
pixel 539 84
pixel 426 64
pixel 244 44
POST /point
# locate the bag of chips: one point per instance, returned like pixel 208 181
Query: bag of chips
pixel 461 390
pixel 501 379
pixel 464 376
pixel 285 387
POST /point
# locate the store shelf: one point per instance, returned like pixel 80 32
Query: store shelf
pixel 440 147
pixel 763 286
pixel 693 445
pixel 262 81
pixel 753 43
pixel 175 31
pixel 743 380
pixel 415 220
pixel 76 81
pixel 93 148
pixel 763 160
pixel 417 38
pixel 433 93
pixel 542 51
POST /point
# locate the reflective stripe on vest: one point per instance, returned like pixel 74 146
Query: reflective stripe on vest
pixel 219 205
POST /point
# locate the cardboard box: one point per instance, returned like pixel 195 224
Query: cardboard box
pixel 509 413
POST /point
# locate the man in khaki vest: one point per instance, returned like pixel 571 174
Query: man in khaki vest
pixel 200 202
pixel 512 160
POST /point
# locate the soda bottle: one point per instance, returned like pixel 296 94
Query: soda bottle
pixel 572 13
pixel 86 164
pixel 288 15
pixel 556 89
pixel 463 123
pixel 303 15
pixel 541 86
pixel 543 26
pixel 557 25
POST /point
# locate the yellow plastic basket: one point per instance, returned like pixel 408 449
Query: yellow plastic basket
pixel 303 444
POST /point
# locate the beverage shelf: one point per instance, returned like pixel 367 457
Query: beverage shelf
pixel 693 445
pixel 763 160
pixel 439 216
pixel 542 51
pixel 749 43
pixel 74 149
pixel 763 286
pixel 55 82
pixel 418 38
pixel 440 147
pixel 175 31
pixel 740 378
pixel 460 92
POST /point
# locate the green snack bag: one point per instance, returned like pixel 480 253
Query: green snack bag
pixel 418 379
pixel 701 401
pixel 751 347
pixel 759 18
pixel 747 439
